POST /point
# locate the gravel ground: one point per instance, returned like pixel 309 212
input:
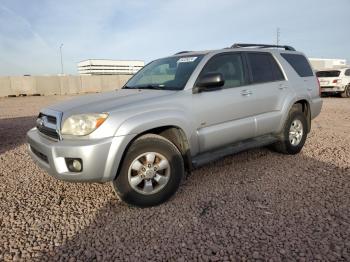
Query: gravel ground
pixel 256 205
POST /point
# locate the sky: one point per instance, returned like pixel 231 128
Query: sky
pixel 31 32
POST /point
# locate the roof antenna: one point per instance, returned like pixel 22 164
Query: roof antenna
pixel 278 34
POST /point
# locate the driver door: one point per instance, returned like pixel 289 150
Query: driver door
pixel 225 115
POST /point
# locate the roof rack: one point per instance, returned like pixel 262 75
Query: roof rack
pixel 183 52
pixel 286 47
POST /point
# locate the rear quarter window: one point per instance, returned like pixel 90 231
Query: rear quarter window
pixel 299 64
pixel 347 72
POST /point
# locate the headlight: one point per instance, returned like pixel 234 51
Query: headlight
pixel 84 124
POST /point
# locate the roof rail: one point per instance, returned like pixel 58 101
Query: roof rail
pixel 286 47
pixel 183 52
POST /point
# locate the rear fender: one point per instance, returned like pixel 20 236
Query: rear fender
pixel 287 108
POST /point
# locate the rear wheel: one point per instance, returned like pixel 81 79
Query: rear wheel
pixel 346 92
pixel 294 134
pixel 150 173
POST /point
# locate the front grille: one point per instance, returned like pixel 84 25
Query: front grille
pixel 47 125
pixel 50 119
pixel 48 132
pixel 40 155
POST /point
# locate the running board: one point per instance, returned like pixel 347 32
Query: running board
pixel 217 154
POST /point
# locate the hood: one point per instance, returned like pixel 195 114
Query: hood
pixel 105 102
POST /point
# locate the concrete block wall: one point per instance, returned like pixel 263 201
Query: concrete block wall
pixel 90 84
pixel 59 85
pixel 108 83
pixel 70 85
pixel 5 86
pixel 23 85
pixel 48 85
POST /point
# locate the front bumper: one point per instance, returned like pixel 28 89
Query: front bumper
pixel 100 157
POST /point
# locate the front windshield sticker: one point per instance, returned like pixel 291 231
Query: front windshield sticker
pixel 187 59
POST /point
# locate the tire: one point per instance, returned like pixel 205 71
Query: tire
pixel 346 93
pixel 286 145
pixel 156 179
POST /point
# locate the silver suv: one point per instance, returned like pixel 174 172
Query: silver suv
pixel 178 113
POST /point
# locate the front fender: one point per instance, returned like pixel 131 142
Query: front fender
pixel 142 122
pixel 138 124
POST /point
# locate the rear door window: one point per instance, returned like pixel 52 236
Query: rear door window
pixel 276 70
pixel 264 68
pixel 299 64
pixel 347 72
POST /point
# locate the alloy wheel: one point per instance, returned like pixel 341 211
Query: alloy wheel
pixel 296 132
pixel 149 173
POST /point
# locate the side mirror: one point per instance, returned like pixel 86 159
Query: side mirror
pixel 209 82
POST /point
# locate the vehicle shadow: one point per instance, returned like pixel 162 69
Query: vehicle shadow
pixel 13 131
pixel 253 205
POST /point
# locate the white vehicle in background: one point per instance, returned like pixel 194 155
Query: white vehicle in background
pixel 335 81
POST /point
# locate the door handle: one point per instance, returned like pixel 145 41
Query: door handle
pixel 281 86
pixel 246 92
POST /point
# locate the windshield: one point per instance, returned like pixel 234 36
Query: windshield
pixel 170 73
pixel 334 73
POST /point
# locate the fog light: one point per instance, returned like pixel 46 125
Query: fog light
pixel 77 165
pixel 74 164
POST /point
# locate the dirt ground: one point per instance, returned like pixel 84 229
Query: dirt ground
pixel 256 205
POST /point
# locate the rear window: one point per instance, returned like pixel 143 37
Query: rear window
pixel 333 73
pixel 299 64
pixel 264 68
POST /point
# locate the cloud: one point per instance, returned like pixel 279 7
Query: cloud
pixel 30 35
pixel 20 45
pixel 23 22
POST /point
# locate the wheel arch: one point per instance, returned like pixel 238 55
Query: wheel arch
pixel 301 103
pixel 304 106
pixel 174 134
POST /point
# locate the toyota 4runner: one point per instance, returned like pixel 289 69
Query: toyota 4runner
pixel 178 113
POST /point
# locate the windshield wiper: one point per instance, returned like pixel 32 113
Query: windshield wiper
pixel 150 86
pixel 128 87
pixel 155 87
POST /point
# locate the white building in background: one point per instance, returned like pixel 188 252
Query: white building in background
pixel 109 67
pixel 323 63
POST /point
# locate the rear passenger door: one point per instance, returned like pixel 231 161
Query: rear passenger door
pixel 268 88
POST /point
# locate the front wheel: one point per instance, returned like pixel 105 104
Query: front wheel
pixel 346 92
pixel 150 173
pixel 294 134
